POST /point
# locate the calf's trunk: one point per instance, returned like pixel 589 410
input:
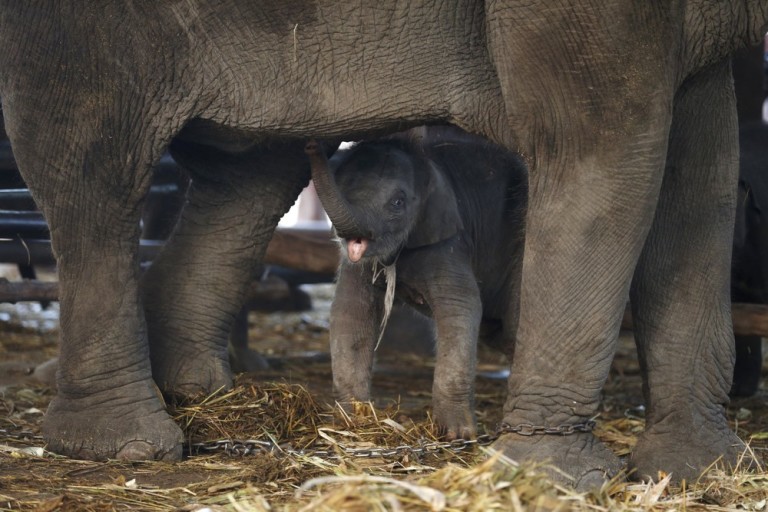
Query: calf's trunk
pixel 334 203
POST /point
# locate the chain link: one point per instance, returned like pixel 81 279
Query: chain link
pixel 526 429
pixel 244 447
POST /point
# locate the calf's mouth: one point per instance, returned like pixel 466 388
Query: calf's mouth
pixel 356 248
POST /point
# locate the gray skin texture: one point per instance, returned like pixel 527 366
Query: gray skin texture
pixel 623 110
pixel 749 269
pixel 447 210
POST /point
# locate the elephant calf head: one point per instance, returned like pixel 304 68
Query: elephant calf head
pixel 383 196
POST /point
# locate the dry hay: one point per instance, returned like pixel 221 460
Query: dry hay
pixel 291 418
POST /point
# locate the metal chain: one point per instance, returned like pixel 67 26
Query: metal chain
pixel 254 446
pixel 245 447
pixel 20 435
pixel 526 429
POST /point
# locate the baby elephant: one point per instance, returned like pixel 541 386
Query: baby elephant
pixel 436 217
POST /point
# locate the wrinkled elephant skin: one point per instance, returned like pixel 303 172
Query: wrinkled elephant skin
pixel 622 109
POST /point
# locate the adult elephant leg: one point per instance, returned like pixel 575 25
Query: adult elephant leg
pixel 197 286
pixel 583 237
pixel 584 232
pixel 90 191
pixel 594 127
pixel 681 295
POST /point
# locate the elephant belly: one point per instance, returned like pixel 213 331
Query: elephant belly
pixel 414 298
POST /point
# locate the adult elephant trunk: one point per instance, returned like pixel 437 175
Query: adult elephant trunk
pixel 335 205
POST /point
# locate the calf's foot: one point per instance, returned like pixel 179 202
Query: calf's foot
pixel 126 423
pixel 454 420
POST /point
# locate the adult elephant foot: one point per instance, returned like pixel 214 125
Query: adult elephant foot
pixel 181 372
pixel 241 358
pixel 245 360
pixel 126 423
pixel 579 460
pixel 686 452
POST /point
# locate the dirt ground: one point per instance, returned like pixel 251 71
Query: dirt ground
pixel 289 406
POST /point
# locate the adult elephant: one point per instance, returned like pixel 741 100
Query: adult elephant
pixel 623 109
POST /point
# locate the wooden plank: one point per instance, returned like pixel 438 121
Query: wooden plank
pixel 748 319
pixel 296 249
pixel 303 251
pixel 30 290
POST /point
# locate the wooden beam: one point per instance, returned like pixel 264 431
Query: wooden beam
pixel 303 250
pixel 748 319
pixel 30 290
pixel 297 249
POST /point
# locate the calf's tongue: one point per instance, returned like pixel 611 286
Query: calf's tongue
pixel 356 248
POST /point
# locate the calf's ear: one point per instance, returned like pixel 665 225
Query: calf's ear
pixel 439 217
